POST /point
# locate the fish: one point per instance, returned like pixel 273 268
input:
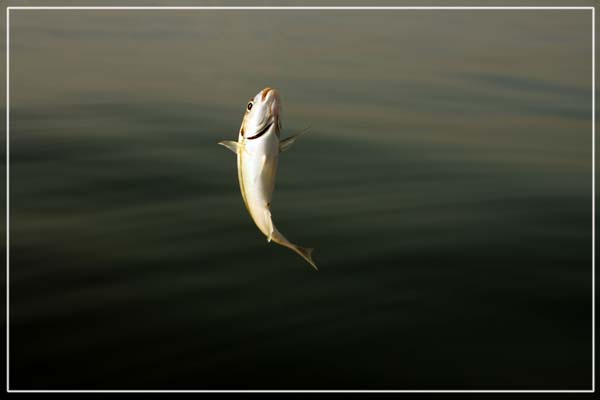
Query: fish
pixel 257 149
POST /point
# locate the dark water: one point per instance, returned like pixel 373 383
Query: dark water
pixel 445 184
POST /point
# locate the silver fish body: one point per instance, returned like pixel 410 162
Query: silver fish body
pixel 258 148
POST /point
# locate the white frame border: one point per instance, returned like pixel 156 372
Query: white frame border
pixel 482 8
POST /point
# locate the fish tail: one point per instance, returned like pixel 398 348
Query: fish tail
pixel 304 252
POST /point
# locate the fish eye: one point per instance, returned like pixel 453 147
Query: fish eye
pixel 249 106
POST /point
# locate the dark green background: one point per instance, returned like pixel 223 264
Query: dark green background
pixel 445 184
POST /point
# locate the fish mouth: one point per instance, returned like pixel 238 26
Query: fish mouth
pixel 261 132
pixel 265 92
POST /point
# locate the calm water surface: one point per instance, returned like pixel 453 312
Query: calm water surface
pixel 445 185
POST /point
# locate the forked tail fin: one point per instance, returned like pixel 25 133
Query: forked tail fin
pixel 306 253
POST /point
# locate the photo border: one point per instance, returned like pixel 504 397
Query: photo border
pixel 314 8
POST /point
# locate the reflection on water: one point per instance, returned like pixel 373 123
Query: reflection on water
pixel 445 186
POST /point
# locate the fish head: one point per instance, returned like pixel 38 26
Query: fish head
pixel 261 111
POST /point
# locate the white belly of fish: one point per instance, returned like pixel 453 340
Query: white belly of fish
pixel 257 168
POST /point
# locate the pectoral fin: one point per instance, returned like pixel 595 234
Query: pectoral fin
pixel 231 145
pixel 287 143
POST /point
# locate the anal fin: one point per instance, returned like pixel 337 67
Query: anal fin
pixel 269 223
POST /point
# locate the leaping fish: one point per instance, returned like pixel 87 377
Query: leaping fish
pixel 257 148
